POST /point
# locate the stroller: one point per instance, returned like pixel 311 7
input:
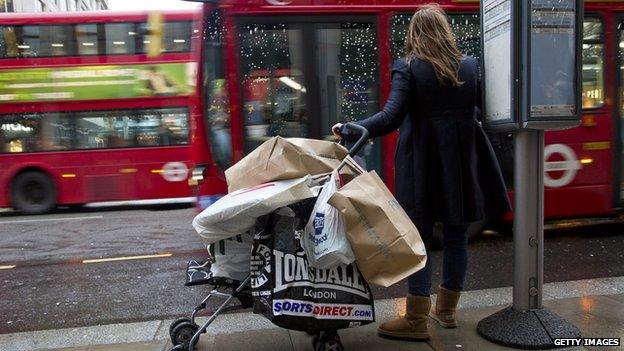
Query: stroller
pixel 185 332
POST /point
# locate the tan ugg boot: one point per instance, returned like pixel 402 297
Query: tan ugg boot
pixel 444 310
pixel 414 324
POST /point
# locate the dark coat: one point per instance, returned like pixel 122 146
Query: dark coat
pixel 446 170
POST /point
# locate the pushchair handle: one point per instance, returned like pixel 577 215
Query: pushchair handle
pixel 352 129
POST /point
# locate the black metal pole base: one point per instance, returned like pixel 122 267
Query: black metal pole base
pixel 531 330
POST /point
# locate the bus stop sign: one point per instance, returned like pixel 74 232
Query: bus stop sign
pixel 531 69
pixel 531 63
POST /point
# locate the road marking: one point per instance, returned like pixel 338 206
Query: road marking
pixel 7 267
pixel 126 258
pixel 52 219
pixel 168 201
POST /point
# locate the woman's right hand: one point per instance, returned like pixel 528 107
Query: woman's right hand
pixel 336 130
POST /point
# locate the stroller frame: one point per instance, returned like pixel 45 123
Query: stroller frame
pixel 185 333
pixel 190 340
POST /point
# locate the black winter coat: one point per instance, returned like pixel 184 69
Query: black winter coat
pixel 446 170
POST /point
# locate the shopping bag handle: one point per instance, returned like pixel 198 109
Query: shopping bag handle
pixel 349 129
pixel 349 161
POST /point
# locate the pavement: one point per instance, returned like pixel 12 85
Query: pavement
pixel 595 306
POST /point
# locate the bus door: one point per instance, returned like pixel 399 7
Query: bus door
pixel 301 75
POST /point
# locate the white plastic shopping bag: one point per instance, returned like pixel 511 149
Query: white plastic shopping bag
pixel 237 212
pixel 231 257
pixel 325 241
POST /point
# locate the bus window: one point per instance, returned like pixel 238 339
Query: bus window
pixel 37 41
pixel 4 32
pixel 466 27
pixel 28 41
pixel 20 133
pixel 132 128
pixel 274 88
pixel 298 79
pixel 120 38
pixel 87 39
pixel 177 37
pixel 348 79
pixel 102 129
pixel 217 99
pixel 57 40
pixel 593 64
pixel 164 127
pixel 56 132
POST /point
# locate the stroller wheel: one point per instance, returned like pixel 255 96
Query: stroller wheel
pixel 183 333
pixel 328 341
pixel 176 323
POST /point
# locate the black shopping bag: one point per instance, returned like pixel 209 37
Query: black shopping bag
pixel 292 294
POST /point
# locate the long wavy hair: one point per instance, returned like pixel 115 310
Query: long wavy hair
pixel 430 38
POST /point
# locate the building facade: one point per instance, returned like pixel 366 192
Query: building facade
pixel 52 5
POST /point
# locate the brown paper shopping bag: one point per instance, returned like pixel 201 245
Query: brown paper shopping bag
pixel 281 159
pixel 386 243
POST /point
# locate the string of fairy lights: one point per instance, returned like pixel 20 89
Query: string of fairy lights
pixel 465 26
pixel 270 51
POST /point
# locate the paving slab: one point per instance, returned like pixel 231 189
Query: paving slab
pixel 76 337
pixel 224 324
pixel 361 338
pixel 619 298
pixel 483 298
pixel 264 340
pixel 595 316
pixel 257 340
pixel 206 343
pixel 465 336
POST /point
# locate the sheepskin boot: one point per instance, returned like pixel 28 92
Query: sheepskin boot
pixel 414 324
pixel 444 310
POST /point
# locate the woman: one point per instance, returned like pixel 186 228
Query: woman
pixel 445 171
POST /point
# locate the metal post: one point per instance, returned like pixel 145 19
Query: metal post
pixel 527 324
pixel 529 224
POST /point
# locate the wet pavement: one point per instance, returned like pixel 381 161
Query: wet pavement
pixel 51 288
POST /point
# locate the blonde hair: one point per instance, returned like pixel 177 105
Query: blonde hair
pixel 430 38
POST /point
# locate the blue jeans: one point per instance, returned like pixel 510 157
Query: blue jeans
pixel 454 267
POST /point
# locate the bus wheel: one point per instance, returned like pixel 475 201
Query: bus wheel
pixel 474 231
pixel 33 192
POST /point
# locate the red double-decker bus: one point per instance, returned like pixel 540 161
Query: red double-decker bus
pixel 88 113
pixel 296 67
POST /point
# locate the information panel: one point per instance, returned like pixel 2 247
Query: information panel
pixel 553 59
pixel 497 60
pixel 531 63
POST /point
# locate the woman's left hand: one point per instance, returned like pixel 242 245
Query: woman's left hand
pixel 336 130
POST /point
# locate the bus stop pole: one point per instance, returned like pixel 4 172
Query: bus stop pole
pixel 529 220
pixel 527 324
